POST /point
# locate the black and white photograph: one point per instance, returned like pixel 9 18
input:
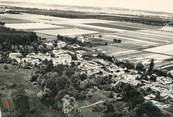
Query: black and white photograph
pixel 86 58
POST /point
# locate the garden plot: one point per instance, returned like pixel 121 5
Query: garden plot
pixel 67 32
pixel 29 26
pixel 166 49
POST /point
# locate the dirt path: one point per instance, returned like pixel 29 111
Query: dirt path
pixel 99 102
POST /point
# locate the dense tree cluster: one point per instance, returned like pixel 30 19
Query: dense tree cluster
pixel 77 41
pixel 61 80
pixel 11 39
pixel 69 40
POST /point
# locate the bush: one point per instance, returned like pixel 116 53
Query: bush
pixel 132 95
pixel 119 41
pixel 129 65
pixel 149 110
pixel 6 67
pixel 22 105
pixel 140 67
pixel 116 41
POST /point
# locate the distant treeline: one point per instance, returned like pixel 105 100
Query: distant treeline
pixel 150 20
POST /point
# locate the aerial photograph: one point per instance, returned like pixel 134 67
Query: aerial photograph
pixel 86 58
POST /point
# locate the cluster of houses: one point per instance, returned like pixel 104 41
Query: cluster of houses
pixel 60 56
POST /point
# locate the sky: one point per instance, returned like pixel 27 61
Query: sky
pixel 154 5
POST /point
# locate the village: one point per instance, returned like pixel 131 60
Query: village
pixel 66 75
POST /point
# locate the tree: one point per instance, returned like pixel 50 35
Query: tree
pixel 21 102
pixel 132 95
pixel 2 23
pixel 100 36
pixel 129 65
pixel 106 43
pixel 70 107
pixel 140 67
pixel 24 52
pixel 5 67
pixel 116 41
pixel 151 67
pixel 109 107
pixel 119 41
pixel 9 38
pixel 147 109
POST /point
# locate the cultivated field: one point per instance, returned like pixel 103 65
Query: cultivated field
pixel 67 32
pixel 13 20
pixel 166 49
pixel 144 37
pixel 111 50
pixel 29 26
pixel 145 58
pixel 134 25
pixel 130 42
pixel 113 26
pixel 139 42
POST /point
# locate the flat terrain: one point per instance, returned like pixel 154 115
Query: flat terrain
pixel 166 49
pixel 66 32
pixel 114 26
pixel 138 40
pixel 26 26
pixel 13 20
